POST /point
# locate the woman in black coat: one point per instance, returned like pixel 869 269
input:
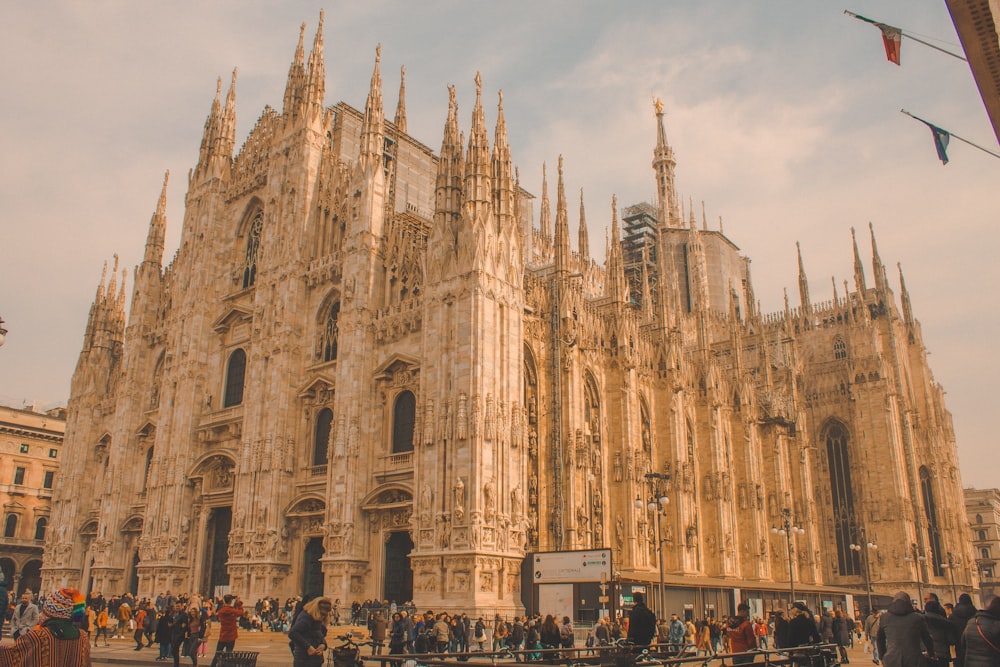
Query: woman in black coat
pixel 982 637
pixel 308 633
pixel 802 628
pixel 942 632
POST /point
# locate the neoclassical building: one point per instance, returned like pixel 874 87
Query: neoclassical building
pixel 31 444
pixel 371 369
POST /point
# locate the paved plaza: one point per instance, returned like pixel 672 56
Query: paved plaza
pixel 274 652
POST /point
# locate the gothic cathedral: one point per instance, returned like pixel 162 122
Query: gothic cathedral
pixel 368 372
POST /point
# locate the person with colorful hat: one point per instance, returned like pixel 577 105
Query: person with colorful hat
pixel 57 640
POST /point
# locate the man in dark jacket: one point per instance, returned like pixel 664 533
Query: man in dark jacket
pixel 741 635
pixel 901 631
pixel 960 616
pixel 641 622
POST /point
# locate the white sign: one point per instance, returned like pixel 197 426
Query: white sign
pixel 575 566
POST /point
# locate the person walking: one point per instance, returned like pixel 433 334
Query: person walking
pixel 178 632
pixel 760 630
pixel 963 612
pixel 102 625
pixel 942 632
pixel 56 640
pixel 675 636
pixel 841 635
pixel 196 630
pixel 308 633
pixel 377 627
pixel 901 631
pixel 162 634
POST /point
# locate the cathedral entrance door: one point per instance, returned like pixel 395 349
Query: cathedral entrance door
pixel 220 522
pixel 133 575
pixel 312 578
pixel 398 574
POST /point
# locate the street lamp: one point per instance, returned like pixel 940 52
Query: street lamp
pixel 866 555
pixel 657 503
pixel 787 528
pixel 916 557
pixel 951 565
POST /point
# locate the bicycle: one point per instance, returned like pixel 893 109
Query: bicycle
pixel 348 653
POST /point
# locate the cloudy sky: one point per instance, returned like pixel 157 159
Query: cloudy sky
pixel 784 117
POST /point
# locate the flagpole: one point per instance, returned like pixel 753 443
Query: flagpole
pixel 951 134
pixel 907 35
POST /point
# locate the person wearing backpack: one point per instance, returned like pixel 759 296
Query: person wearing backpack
pixel 566 636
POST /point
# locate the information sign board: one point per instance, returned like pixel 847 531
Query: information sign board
pixel 572 566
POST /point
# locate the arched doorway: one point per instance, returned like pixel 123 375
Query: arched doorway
pixel 219 524
pixel 31 577
pixel 398 574
pixel 312 577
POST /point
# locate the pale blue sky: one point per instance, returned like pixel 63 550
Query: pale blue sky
pixel 784 117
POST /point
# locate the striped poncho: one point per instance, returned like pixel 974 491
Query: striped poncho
pixel 54 644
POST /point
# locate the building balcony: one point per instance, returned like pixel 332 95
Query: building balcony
pixel 395 467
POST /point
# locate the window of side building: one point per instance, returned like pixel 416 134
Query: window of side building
pixel 19 475
pixel 49 479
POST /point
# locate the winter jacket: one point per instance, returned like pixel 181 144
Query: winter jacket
pixel 641 624
pixel 960 617
pixel 801 630
pixel 942 632
pixel 24 617
pixel 841 632
pixel 741 635
pixel 826 626
pixel 306 633
pixel 981 631
pixel 902 633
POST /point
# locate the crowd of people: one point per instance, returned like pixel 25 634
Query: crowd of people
pixel 64 623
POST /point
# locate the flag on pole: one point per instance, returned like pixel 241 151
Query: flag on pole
pixel 941 138
pixel 891 37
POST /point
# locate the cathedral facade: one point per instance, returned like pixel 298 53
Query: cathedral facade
pixel 368 370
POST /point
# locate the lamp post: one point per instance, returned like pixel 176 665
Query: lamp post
pixel 916 558
pixel 951 565
pixel 787 528
pixel 865 549
pixel 657 504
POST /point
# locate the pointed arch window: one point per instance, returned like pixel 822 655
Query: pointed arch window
pixel 331 329
pixel 592 412
pixel 839 348
pixel 145 471
pixel 404 413
pixel 933 527
pixel 40 527
pixel 235 375
pixel 321 440
pixel 252 248
pixel 10 526
pixel 842 491
pixel 646 428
